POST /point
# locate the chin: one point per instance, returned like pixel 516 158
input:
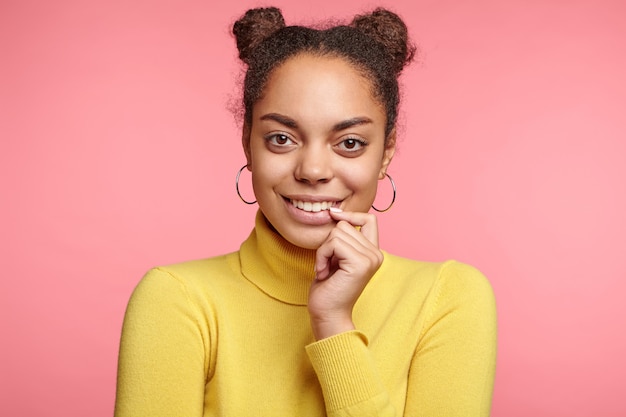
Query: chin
pixel 308 239
pixel 306 236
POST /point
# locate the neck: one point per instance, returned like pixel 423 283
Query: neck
pixel 278 268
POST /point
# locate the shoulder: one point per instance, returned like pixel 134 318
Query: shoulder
pixel 200 267
pixel 184 280
pixel 188 272
pixel 454 275
pixel 409 267
pixel 462 297
pixel 458 280
pixel 451 283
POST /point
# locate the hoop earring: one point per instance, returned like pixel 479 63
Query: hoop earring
pixel 237 186
pixel 393 185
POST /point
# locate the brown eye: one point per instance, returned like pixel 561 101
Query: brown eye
pixel 279 140
pixel 352 145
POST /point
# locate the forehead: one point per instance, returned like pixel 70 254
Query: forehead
pixel 319 87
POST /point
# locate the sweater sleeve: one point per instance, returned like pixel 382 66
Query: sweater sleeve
pixel 453 368
pixel 348 377
pixel 161 368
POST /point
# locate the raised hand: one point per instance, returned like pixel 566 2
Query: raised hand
pixel 344 264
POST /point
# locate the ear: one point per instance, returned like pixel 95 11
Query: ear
pixel 245 141
pixel 390 150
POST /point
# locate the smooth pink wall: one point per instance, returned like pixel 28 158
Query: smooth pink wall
pixel 119 153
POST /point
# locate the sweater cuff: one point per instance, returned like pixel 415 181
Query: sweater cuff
pixel 345 369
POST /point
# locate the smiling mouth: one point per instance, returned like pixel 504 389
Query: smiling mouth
pixel 313 207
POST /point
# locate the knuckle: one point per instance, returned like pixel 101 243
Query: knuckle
pixel 343 225
pixel 371 218
pixel 376 258
pixel 333 234
pixel 336 234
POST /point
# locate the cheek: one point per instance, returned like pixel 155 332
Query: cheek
pixel 362 181
pixel 267 173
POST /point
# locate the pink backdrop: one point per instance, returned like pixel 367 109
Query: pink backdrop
pixel 118 153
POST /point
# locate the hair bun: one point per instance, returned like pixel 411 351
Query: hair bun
pixel 387 28
pixel 255 26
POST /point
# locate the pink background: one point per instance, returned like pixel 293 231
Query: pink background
pixel 119 153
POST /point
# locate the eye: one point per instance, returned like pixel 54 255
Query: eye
pixel 352 145
pixel 279 139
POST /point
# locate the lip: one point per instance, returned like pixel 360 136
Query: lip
pixel 317 218
pixel 313 198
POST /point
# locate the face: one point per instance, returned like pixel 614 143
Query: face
pixel 317 139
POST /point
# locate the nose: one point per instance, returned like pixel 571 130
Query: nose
pixel 314 164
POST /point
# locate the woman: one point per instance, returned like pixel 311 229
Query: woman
pixel 310 317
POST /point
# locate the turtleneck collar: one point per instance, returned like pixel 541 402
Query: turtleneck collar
pixel 278 268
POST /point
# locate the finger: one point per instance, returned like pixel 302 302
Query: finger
pixel 366 221
pixel 352 234
pixel 330 253
pixel 358 241
pixel 345 249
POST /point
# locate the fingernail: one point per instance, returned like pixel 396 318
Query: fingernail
pixel 335 209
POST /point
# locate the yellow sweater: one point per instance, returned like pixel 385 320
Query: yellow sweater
pixel 230 336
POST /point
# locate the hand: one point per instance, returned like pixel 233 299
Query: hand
pixel 344 264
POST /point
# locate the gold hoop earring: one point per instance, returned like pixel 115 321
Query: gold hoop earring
pixel 237 186
pixel 393 199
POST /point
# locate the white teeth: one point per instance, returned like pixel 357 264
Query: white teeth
pixel 314 207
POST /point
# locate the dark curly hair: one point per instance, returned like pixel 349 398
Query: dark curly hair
pixel 376 44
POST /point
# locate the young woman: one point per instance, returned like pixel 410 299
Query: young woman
pixel 310 317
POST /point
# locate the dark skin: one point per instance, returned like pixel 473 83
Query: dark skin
pixel 317 136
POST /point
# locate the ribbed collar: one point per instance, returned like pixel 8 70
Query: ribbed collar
pixel 278 268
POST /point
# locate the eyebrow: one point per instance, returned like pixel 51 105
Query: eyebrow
pixel 291 123
pixel 283 120
pixel 355 121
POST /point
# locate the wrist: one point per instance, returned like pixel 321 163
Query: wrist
pixel 324 327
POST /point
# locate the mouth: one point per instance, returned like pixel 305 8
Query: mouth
pixel 312 206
